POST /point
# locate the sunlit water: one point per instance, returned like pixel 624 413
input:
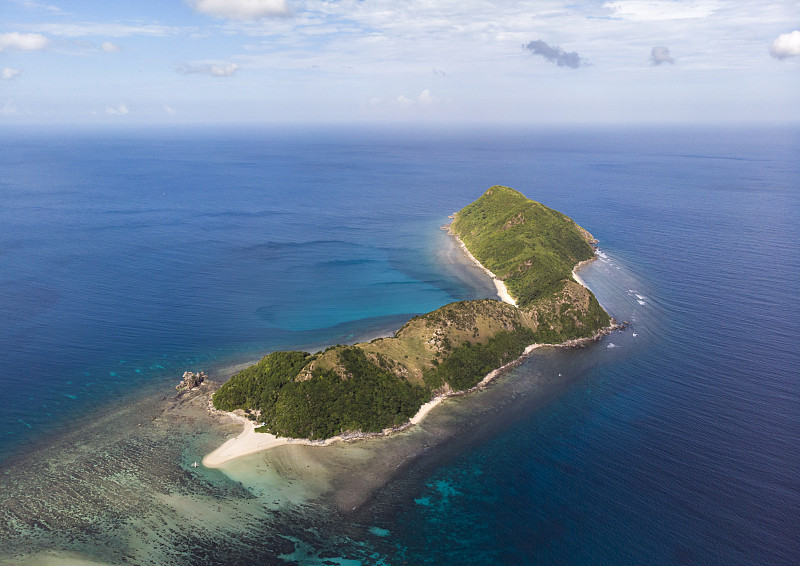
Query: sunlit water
pixel 127 259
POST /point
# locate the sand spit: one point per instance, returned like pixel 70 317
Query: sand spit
pixel 247 442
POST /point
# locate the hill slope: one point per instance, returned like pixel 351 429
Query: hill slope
pixel 532 248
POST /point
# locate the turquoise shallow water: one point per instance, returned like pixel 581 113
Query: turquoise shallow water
pixel 126 259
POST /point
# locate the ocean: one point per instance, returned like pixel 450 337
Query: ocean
pixel 130 256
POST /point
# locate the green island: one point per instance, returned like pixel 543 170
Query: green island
pixel 379 385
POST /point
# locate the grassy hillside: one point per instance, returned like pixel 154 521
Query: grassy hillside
pixel 372 386
pixel 532 248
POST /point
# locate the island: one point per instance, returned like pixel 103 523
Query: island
pixel 379 386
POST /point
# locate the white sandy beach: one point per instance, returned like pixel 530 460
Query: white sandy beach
pixel 250 442
pixel 575 269
pixel 495 372
pixel 247 442
pixel 425 409
pixel 502 290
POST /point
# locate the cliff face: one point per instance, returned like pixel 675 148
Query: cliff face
pixel 372 386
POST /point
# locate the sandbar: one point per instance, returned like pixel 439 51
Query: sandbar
pixel 247 442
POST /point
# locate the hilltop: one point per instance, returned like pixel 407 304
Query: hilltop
pixel 381 384
pixel 532 248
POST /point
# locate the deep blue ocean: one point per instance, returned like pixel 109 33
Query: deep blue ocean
pixel 128 257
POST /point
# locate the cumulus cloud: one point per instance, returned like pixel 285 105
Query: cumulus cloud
pixel 426 99
pixel 120 110
pixel 786 45
pixel 661 55
pixel 8 73
pixel 241 9
pixel 109 47
pixel 554 54
pixel 211 69
pixel 23 41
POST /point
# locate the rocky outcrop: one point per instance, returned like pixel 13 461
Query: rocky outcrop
pixel 191 380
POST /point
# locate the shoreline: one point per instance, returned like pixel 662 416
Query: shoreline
pixel 502 290
pixel 578 266
pixel 250 442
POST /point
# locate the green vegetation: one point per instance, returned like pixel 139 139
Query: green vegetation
pixel 367 398
pixel 259 387
pixel 465 366
pixel 372 386
pixel 532 248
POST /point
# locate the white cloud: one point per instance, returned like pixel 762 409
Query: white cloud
pixel 30 4
pixel 657 10
pixel 169 109
pixel 213 69
pixel 9 109
pixel 786 45
pixel 223 70
pixel 109 47
pixel 241 9
pixel 425 98
pixel 83 29
pixel 23 41
pixel 330 55
pixel 120 110
pixel 8 74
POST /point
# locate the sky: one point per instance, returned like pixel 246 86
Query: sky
pixel 371 61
